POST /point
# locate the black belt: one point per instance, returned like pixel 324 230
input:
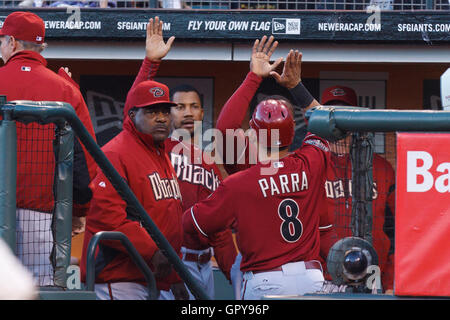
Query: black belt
pixel 201 258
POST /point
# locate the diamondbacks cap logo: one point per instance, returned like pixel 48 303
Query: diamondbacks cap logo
pixel 157 92
pixel 338 92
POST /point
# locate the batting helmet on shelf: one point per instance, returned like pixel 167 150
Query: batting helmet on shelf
pixel 272 114
pixel 349 258
pixel 355 263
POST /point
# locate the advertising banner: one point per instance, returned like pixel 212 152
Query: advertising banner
pixel 320 25
pixel 422 224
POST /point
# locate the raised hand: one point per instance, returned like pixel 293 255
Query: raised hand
pixel 292 70
pixel 261 53
pixel 155 47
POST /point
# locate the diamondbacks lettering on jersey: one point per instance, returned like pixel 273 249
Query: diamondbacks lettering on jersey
pixel 340 188
pixel 283 183
pixel 194 174
pixel 164 188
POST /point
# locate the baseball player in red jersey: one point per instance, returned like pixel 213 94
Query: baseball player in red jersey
pixel 283 206
pixel 338 190
pixel 22 39
pixel 235 109
pixel 197 176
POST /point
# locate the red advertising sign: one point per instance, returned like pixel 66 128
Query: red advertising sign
pixel 422 223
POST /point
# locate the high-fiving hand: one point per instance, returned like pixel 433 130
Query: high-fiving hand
pixel 292 70
pixel 155 47
pixel 261 53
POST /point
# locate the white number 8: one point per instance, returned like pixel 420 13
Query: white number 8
pixel 291 228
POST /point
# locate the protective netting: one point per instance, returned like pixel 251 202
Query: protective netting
pixel 35 200
pixel 339 193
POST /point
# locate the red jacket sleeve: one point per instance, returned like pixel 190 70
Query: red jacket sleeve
pixel 231 117
pixel 108 213
pixel 224 250
pixel 327 231
pixel 211 215
pixel 147 71
pixel 235 109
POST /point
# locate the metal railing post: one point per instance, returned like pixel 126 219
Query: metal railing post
pixel 136 257
pixel 8 169
pixel 62 215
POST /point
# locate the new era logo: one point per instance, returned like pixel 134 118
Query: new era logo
pixel 277 27
pixel 38 38
pixel 25 68
pixel 286 26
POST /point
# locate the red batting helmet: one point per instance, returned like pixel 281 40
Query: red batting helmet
pixel 272 114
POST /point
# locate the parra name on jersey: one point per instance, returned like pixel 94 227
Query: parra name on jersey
pixel 284 183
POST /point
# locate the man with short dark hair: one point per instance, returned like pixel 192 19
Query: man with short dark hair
pixel 188 110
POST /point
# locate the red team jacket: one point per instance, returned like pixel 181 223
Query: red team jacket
pixel 35 191
pixel 277 216
pixel 338 190
pixel 231 117
pixel 152 179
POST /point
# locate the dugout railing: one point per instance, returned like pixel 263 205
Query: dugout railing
pixel 67 126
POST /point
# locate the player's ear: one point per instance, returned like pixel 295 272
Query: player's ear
pixel 132 114
pixel 12 43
